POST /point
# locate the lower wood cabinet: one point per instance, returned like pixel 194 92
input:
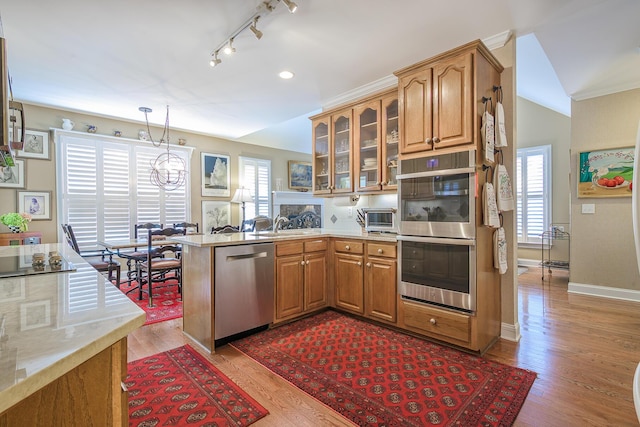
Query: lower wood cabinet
pixel 301 278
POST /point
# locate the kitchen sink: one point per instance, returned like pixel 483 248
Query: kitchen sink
pixel 285 233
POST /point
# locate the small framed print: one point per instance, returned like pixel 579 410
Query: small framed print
pixel 215 214
pixel 215 175
pixel 299 175
pixel 36 314
pixel 35 203
pixel 36 145
pixel 12 176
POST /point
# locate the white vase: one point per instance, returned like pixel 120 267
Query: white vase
pixel 67 124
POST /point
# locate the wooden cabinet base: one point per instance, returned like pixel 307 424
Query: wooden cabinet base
pixel 89 395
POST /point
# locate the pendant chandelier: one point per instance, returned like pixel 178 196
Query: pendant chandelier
pixel 168 171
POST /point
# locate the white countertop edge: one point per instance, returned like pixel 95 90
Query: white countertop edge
pixel 22 389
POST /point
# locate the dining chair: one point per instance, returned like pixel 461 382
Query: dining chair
pixel 160 260
pixel 225 229
pixel 137 255
pixel 97 259
pixel 186 226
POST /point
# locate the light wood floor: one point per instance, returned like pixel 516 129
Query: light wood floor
pixel 584 349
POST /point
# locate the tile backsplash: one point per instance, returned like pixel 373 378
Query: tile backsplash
pixel 345 212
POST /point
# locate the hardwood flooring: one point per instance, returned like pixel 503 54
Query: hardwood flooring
pixel 584 349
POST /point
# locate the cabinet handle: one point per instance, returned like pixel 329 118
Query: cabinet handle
pixel 378 182
pixel 436 139
pixel 385 182
pixel 359 263
pixel 347 247
pixel 427 141
pixel 380 250
pixel 433 321
pixel 301 262
pixel 307 263
pixel 369 264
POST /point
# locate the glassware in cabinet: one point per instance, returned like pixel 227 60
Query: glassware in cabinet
pixel 390 133
pixel 367 146
pixel 321 162
pixel 342 180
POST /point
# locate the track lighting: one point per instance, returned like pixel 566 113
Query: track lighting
pixel 229 49
pixel 214 59
pixel 291 5
pixel 256 32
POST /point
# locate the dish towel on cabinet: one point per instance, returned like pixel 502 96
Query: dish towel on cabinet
pixel 503 188
pixel 501 131
pixel 487 133
pixel 500 261
pixel 490 208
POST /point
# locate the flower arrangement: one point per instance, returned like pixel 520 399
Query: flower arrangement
pixel 16 221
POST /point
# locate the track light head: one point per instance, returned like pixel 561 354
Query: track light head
pixel 256 32
pixel 214 59
pixel 291 5
pixel 229 49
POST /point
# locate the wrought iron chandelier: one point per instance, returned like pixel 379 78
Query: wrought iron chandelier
pixel 168 171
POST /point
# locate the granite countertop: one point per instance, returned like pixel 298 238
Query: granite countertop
pixel 228 239
pixel 51 323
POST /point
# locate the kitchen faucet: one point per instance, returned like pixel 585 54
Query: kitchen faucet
pixel 279 221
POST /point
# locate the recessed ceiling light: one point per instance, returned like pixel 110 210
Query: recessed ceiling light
pixel 286 75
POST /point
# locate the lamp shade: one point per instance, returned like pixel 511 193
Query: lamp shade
pixel 242 195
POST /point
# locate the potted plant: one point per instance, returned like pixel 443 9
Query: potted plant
pixel 17 222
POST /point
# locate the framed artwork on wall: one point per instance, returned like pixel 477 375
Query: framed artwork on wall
pixel 36 145
pixel 35 203
pixel 215 214
pixel 605 173
pixel 300 175
pixel 215 176
pixel 13 176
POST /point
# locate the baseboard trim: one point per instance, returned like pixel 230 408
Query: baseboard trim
pixel 604 291
pixel 528 262
pixel 510 332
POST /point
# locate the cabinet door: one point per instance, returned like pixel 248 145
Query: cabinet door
pixel 289 286
pixel 389 142
pixel 367 144
pixel 381 279
pixel 349 283
pixel 453 101
pixel 315 281
pixel 416 111
pixel 321 162
pixel 342 160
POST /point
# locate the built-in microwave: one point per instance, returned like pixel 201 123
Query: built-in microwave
pixel 437 195
pixel 380 220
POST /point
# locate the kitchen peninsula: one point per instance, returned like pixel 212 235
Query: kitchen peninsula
pixel 63 350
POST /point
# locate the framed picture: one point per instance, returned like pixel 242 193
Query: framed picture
pixel 215 175
pixel 12 176
pixel 35 203
pixel 215 214
pixel 36 145
pixel 35 314
pixel 605 173
pixel 299 175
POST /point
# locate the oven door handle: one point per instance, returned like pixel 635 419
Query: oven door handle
pixel 438 240
pixel 435 173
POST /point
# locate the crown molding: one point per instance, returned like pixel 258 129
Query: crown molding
pixel 362 91
pixel 497 41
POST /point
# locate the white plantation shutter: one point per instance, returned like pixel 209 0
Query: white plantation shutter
pixel 255 174
pixel 533 188
pixel 104 188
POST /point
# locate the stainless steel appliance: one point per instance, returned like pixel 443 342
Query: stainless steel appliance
pixel 244 287
pixel 438 270
pixel 380 219
pixel 437 194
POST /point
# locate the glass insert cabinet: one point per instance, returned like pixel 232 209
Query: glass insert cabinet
pixel 332 154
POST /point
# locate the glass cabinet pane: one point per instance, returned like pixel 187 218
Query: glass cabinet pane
pixel 390 146
pixel 342 153
pixel 321 156
pixel 368 126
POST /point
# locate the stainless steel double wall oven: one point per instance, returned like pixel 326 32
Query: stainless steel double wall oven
pixel 436 229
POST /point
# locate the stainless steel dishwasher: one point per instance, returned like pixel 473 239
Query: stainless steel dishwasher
pixel 244 287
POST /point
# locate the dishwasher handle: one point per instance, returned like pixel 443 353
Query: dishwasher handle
pixel 246 256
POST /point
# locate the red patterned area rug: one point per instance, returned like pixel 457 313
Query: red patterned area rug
pixel 374 376
pixel 179 387
pixel 166 300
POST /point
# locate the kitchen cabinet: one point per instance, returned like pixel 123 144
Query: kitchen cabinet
pixel 332 153
pixel 440 98
pixel 376 144
pixel 349 275
pixel 301 278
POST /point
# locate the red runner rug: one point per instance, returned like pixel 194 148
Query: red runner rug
pixel 166 300
pixel 374 376
pixel 180 387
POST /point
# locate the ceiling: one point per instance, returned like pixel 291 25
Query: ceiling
pixel 109 58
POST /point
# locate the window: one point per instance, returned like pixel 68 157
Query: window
pixel 255 174
pixel 104 188
pixel 533 169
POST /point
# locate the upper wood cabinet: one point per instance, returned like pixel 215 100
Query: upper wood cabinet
pixel 332 153
pixel 440 99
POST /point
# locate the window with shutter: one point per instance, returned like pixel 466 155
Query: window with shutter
pixel 533 188
pixel 255 174
pixel 104 188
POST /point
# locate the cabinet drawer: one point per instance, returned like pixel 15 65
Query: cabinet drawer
pixel 386 250
pixel 349 246
pixel 315 245
pixel 289 248
pixel 436 321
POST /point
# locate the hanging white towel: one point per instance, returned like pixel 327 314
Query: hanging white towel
pixel 501 131
pixel 500 261
pixel 490 208
pixel 503 188
pixel 487 133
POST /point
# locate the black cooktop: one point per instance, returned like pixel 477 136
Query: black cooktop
pixel 21 265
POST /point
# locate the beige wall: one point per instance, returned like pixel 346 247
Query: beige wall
pixel 40 174
pixel 537 126
pixel 602 246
